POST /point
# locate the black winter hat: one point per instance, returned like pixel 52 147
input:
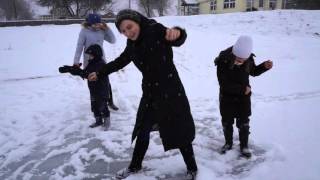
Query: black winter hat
pixel 95 50
pixel 127 14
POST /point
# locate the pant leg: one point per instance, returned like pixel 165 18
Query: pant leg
pixel 103 107
pixel 142 143
pixel 243 126
pixel 188 157
pixel 227 124
pixel 94 106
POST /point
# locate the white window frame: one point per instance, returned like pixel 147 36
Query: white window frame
pixel 228 4
pixel 250 4
pixel 213 5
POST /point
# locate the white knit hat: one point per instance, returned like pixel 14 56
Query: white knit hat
pixel 243 47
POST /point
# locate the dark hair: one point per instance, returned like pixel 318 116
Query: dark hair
pixel 94 50
pixel 127 14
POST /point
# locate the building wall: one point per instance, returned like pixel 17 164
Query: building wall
pixel 241 6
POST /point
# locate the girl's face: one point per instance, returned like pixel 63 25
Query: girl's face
pixel 91 57
pixel 96 26
pixel 130 29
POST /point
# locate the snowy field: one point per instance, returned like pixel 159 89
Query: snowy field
pixel 44 115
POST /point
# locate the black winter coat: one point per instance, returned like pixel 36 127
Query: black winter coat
pixel 233 81
pixel 162 88
pixel 100 88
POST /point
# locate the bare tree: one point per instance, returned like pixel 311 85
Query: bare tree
pixel 15 9
pixel 162 6
pixel 145 5
pixel 74 8
pixel 149 5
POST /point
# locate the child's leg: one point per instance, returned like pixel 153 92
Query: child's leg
pixel 104 111
pixel 243 126
pixel 227 124
pixel 96 112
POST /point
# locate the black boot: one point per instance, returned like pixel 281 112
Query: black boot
pixel 226 147
pixel 112 106
pixel 243 137
pixel 228 136
pixel 97 123
pixel 106 123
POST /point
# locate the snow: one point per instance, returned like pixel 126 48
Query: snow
pixel 45 115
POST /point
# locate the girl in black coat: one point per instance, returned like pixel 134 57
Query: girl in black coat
pixel 234 65
pixel 164 105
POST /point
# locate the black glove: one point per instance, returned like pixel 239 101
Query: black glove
pixel 65 69
pixel 74 70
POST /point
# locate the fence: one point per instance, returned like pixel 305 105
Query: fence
pixel 42 22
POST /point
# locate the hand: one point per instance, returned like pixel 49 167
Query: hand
pixel 92 76
pixel 172 34
pixel 103 26
pixel 77 65
pixel 248 90
pixel 268 64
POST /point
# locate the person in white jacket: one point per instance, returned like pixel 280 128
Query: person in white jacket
pixel 94 31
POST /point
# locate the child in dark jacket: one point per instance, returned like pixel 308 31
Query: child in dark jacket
pixel 234 65
pixel 98 89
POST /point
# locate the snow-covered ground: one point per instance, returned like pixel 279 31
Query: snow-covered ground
pixel 44 115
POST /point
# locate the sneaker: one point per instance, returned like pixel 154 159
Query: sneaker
pixel 96 124
pixel 113 107
pixel 191 175
pixel 106 123
pixel 125 172
pixel 246 152
pixel 226 147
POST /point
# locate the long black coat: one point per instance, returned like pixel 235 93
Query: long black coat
pixel 162 88
pixel 233 81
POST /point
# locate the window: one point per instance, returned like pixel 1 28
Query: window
pixel 249 4
pixel 213 5
pixel 272 4
pixel 260 3
pixel 229 4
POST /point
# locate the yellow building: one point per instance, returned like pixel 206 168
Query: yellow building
pixel 189 7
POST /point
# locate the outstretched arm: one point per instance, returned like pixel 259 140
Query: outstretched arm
pixel 261 68
pixel 115 65
pixel 175 36
pixel 74 70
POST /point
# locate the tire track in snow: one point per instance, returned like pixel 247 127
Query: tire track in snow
pixel 288 97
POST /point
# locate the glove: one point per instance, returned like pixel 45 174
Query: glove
pixel 74 70
pixel 65 69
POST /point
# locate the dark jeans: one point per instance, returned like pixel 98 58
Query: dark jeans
pixel 142 144
pixel 99 107
pixel 243 126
